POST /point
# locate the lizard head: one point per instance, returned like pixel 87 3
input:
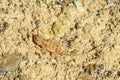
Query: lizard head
pixel 37 39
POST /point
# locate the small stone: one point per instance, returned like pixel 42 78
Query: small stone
pixel 78 65
pixel 47 2
pixel 60 3
pixel 101 66
pixel 59 29
pixel 37 62
pixel 74 51
pixel 37 23
pixel 83 30
pixel 98 71
pixel 109 1
pixel 71 63
pixel 78 6
pixel 38 2
pixel 3 27
pixel 10 63
pixel 22 1
pixel 44 52
pixel 16 78
pixel 26 58
pixel 106 40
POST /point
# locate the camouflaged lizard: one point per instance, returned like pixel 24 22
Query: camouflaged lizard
pixel 49 45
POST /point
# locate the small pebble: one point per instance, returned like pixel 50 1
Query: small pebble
pixel 78 65
pixel 78 6
pixel 109 1
pixel 10 63
pixel 60 3
pixel 4 26
pixel 100 67
pixel 83 30
pixel 38 2
pixel 26 58
pixel 58 28
pixel 74 51
pixel 98 71
pixel 44 52
pixel 37 23
pixel 47 2
pixel 22 1
pixel 71 63
pixel 106 40
pixel 37 62
pixel 16 78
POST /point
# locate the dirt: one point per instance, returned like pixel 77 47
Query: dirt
pixel 88 29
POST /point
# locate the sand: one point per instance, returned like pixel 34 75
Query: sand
pixel 89 30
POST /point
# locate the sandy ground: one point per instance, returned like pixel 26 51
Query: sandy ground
pixel 92 35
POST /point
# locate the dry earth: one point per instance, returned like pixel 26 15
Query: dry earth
pixel 87 29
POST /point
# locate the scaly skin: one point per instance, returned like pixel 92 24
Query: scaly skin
pixel 49 45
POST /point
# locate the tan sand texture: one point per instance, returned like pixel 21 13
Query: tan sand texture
pixel 86 31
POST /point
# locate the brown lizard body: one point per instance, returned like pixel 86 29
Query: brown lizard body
pixel 49 45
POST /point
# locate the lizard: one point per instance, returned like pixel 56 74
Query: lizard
pixel 54 47
pixel 47 44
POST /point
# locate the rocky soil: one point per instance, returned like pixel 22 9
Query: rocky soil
pixel 88 29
